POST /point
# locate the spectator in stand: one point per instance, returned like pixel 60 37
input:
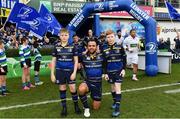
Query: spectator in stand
pixel 4 36
pixel 168 44
pixel 12 28
pixel 46 41
pixel 13 42
pixel 177 40
pixel 142 44
pixel 102 40
pixel 161 44
pixel 89 36
pixel 119 38
pixel 1 33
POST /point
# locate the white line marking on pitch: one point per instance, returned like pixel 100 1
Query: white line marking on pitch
pixel 53 101
pixel 172 91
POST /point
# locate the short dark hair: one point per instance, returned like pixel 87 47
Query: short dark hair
pixel 119 30
pixel 132 30
pixel 92 40
pixel 75 35
pixel 35 44
pixel 34 37
pixel 23 39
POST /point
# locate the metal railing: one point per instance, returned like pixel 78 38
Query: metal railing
pixel 158 3
pixel 143 2
pixel 162 4
pixel 138 2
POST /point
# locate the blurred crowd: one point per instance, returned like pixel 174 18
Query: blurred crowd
pixel 166 43
pixel 11 36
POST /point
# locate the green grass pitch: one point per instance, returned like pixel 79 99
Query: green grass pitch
pixel 147 103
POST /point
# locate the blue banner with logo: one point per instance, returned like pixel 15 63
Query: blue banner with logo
pixel 37 27
pixel 22 12
pixel 23 26
pixel 53 24
pixel 28 18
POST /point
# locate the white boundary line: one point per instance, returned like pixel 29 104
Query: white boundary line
pixel 53 101
pixel 172 91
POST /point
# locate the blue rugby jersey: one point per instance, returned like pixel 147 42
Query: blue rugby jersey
pixel 3 59
pixel 37 55
pixel 64 56
pixel 115 57
pixel 93 66
pixel 80 47
pixel 24 53
pixel 102 44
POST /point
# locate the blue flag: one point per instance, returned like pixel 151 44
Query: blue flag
pixel 37 26
pixel 22 12
pixel 53 24
pixel 23 26
pixel 28 18
pixel 173 13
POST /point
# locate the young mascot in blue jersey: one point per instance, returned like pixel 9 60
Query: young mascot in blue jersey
pixel 115 57
pixel 65 61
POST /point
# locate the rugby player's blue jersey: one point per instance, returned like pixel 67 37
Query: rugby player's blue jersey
pixel 115 57
pixel 80 47
pixel 93 65
pixel 64 56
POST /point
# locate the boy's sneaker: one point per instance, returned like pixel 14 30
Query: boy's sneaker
pixel 134 78
pixel 3 94
pixel 86 112
pixel 32 86
pixel 26 88
pixel 113 106
pixel 77 109
pixel 39 83
pixel 115 114
pixel 7 92
pixel 64 112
